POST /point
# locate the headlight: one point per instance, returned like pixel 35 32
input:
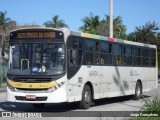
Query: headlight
pixel 54 88
pixel 11 88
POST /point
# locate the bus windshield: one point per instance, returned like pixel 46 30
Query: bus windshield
pixel 36 59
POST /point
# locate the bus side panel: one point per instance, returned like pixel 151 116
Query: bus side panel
pixel 150 79
pixel 111 78
pixel 118 79
pixel 138 73
pixel 126 81
pixel 70 97
pixel 110 81
pixel 85 74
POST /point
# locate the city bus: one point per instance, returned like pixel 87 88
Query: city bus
pixel 48 65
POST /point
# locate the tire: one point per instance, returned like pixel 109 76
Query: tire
pixel 138 91
pixel 38 105
pixel 86 101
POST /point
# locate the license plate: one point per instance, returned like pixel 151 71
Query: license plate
pixel 30 97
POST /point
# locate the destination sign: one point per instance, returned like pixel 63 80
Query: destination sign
pixel 19 35
pixel 24 35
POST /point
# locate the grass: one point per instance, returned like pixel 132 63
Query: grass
pixel 150 106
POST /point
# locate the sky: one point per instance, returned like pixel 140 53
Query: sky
pixel 133 12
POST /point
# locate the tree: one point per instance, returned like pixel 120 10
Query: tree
pixel 118 28
pixel 4 22
pixel 146 33
pixel 103 27
pixel 90 24
pixel 55 23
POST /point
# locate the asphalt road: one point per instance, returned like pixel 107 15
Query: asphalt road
pixel 117 104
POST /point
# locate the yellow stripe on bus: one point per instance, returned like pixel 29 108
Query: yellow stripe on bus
pixel 32 85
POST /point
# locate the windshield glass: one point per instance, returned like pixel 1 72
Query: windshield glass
pixel 36 59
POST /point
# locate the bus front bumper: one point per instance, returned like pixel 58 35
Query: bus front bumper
pixel 57 96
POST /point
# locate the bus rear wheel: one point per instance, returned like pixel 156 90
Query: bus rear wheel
pixel 138 91
pixel 86 101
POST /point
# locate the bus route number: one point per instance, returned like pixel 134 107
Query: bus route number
pixel 93 73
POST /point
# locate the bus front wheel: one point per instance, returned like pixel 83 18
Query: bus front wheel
pixel 85 103
pixel 138 91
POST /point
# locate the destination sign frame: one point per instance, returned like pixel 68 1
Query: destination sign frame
pixel 36 35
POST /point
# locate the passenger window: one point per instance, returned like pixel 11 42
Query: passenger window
pixel 118 54
pixel 145 57
pixel 127 55
pixel 136 56
pixel 152 58
pixel 90 45
pixel 74 55
pixel 75 58
pixel 92 54
pixel 106 53
pixel 74 52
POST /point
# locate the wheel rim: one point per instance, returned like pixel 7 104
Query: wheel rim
pixel 87 97
pixel 138 91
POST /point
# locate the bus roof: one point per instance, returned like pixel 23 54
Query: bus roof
pixel 30 28
pixel 104 38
